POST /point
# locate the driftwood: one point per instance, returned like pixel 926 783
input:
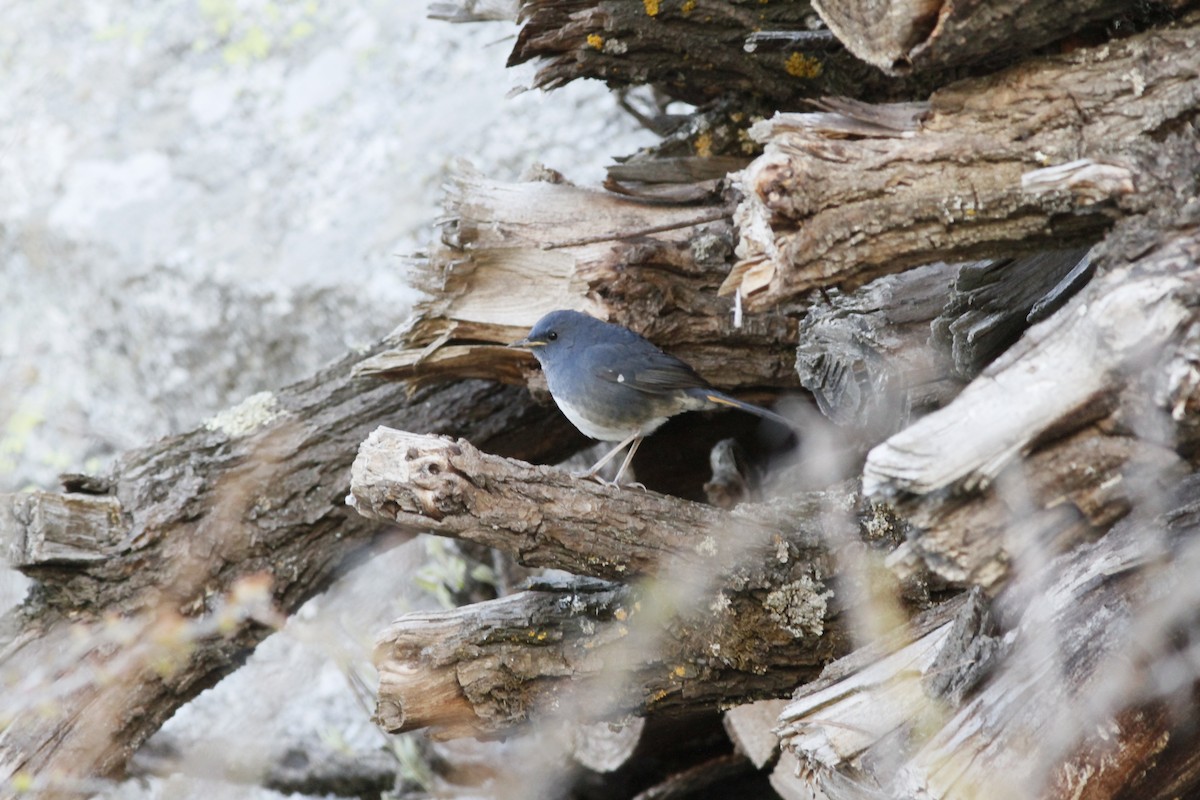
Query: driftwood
pixel 1040 156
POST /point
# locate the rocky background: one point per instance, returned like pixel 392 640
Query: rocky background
pixel 202 199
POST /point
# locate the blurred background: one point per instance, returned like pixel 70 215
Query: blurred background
pixel 203 199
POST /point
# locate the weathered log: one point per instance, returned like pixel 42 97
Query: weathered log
pixel 697 51
pixel 1066 371
pixel 589 650
pixel 149 595
pixel 994 301
pixel 546 517
pixel 1059 496
pixel 1041 156
pixel 904 344
pixel 867 357
pixel 512 252
pixel 905 36
pixel 1073 703
pixel 840 725
pixel 1098 398
pixel 738 608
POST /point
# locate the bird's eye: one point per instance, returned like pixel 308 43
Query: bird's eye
pixel 552 336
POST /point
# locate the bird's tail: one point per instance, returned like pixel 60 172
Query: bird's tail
pixel 722 399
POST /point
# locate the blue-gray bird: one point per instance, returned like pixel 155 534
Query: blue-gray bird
pixel 614 385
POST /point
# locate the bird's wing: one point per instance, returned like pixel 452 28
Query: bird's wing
pixel 648 369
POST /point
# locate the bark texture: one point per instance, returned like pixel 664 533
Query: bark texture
pixel 1035 417
pixel 764 53
pixel 1039 156
pixel 905 36
pixel 151 593
pixel 739 608
pixel 513 251
pixel 590 650
pixel 1065 705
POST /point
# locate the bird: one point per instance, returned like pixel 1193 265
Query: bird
pixel 616 386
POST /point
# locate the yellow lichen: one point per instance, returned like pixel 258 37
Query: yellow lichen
pixel 252 413
pixel 620 615
pixel 254 46
pixel 688 7
pixel 595 41
pixel 703 145
pixel 651 7
pixel 680 672
pixel 801 66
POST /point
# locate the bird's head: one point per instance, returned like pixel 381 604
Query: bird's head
pixel 557 332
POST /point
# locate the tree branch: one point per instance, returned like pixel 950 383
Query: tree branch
pixel 547 518
pixel 149 595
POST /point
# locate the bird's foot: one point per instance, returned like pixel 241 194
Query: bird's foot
pixel 595 476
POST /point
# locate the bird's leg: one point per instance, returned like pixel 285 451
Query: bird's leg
pixel 625 464
pixel 592 473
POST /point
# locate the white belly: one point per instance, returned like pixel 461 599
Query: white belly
pixel 601 432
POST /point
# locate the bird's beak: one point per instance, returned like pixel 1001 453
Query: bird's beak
pixel 528 344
